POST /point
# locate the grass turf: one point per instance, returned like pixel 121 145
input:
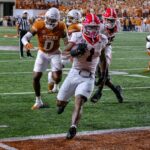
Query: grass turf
pixel 17 95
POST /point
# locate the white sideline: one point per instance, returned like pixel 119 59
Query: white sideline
pixel 6 147
pixel 44 92
pixel 96 132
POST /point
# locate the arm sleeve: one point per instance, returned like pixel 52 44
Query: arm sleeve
pixel 73 38
pixel 27 37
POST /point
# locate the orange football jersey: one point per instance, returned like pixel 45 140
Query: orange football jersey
pixel 74 28
pixel 48 40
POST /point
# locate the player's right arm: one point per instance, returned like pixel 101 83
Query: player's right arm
pixel 27 37
pixel 25 40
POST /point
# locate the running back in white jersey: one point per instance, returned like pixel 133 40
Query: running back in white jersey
pixel 89 60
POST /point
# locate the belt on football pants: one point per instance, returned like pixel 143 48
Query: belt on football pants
pixel 85 73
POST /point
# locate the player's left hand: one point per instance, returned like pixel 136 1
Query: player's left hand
pixel 82 48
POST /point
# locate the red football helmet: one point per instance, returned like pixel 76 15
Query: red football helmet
pixel 91 28
pixel 110 17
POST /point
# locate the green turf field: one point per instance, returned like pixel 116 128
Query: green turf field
pixel 17 95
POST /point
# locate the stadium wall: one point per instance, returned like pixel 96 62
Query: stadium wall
pixel 6 7
pixel 31 12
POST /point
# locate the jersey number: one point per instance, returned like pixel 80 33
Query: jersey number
pixel 89 58
pixel 48 45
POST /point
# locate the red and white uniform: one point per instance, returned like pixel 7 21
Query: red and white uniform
pixel 109 29
pixel 110 33
pixel 80 80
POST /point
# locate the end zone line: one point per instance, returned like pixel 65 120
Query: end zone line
pixel 96 132
pixel 6 147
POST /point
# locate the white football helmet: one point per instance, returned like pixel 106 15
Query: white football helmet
pixel 73 16
pixel 52 17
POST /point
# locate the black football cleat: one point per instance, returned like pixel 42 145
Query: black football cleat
pixel 72 132
pixel 29 54
pixel 60 109
pixel 97 95
pixel 119 93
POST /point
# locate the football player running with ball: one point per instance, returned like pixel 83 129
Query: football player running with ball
pixel 49 32
pixel 85 47
pixel 109 28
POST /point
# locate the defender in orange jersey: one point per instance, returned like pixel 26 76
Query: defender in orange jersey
pixel 49 32
pixel 73 22
pixel 73 25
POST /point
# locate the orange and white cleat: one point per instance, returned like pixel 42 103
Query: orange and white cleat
pixel 39 106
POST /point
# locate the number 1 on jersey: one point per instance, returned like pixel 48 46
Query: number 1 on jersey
pixel 89 58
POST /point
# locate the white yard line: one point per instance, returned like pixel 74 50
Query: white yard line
pixel 67 69
pixel 15 73
pixel 144 58
pixel 6 147
pixel 3 126
pixel 27 59
pixel 16 60
pixel 97 132
pixel 44 92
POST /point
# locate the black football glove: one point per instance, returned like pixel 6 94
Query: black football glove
pixel 79 51
pixel 82 48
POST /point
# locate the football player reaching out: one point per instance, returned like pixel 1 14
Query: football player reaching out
pixel 85 47
pixel 73 23
pixel 148 49
pixel 49 32
pixel 109 28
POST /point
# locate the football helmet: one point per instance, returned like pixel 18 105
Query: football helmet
pixel 73 16
pixel 52 17
pixel 91 27
pixel 110 17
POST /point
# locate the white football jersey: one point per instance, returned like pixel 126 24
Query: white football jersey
pixel 106 31
pixel 89 60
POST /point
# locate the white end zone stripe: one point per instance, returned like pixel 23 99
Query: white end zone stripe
pixel 97 132
pixel 6 147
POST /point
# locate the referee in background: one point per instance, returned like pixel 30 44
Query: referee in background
pixel 23 26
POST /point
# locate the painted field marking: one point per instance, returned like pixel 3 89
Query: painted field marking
pixel 96 132
pixel 3 126
pixel 137 76
pixel 15 73
pixel 16 60
pixel 113 72
pixel 44 92
pixel 6 147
